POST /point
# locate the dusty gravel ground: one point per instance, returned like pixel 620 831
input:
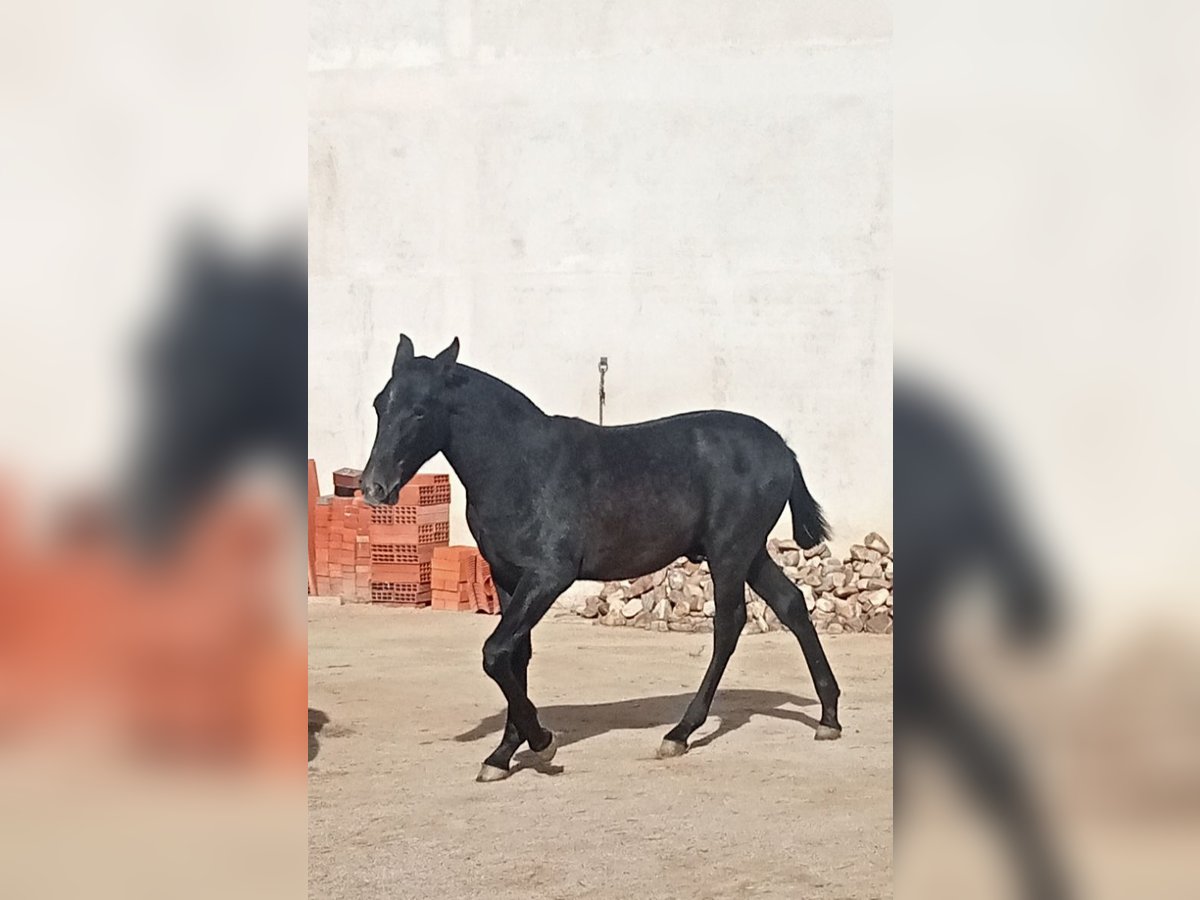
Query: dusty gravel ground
pixel 756 808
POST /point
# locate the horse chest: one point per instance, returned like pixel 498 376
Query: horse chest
pixel 490 535
pixel 515 542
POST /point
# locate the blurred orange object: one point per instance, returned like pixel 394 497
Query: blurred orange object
pixel 192 658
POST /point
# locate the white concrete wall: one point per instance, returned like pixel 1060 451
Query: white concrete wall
pixel 698 189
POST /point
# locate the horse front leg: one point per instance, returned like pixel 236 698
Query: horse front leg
pixel 506 660
pixel 511 742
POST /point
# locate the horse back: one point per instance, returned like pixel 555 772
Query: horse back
pixel 652 492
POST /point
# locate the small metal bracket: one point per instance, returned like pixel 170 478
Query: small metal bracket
pixel 603 369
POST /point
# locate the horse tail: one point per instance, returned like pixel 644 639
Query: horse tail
pixel 808 521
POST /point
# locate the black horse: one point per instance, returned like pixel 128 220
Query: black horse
pixel 552 499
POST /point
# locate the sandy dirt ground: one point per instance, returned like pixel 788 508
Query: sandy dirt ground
pixel 756 808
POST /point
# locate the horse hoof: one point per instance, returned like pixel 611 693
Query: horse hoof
pixel 491 773
pixel 827 733
pixel 546 754
pixel 668 749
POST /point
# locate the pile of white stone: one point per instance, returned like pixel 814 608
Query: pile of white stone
pixel 842 595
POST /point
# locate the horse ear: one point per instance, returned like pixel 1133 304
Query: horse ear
pixel 404 353
pixel 448 357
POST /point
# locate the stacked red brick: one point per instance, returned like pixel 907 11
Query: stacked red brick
pixel 462 581
pixel 342 547
pixel 381 554
pixel 403 539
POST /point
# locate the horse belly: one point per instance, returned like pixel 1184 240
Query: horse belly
pixel 638 542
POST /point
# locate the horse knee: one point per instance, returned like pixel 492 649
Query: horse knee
pixel 497 659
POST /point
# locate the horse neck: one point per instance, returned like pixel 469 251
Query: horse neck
pixel 487 421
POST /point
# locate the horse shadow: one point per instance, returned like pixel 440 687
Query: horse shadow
pixel 317 719
pixel 574 723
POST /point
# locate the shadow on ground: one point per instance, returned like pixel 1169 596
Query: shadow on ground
pixel 317 719
pixel 575 723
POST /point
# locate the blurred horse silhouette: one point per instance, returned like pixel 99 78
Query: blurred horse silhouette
pixel 956 517
pixel 225 379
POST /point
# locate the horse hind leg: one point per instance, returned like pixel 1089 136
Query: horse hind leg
pixel 728 621
pixel 768 581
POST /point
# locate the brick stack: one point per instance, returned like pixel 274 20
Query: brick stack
pixel 453 577
pixel 343 563
pixel 381 554
pixel 486 598
pixel 462 581
pixel 347 482
pixel 403 538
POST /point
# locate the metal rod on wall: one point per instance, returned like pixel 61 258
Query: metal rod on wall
pixel 603 368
